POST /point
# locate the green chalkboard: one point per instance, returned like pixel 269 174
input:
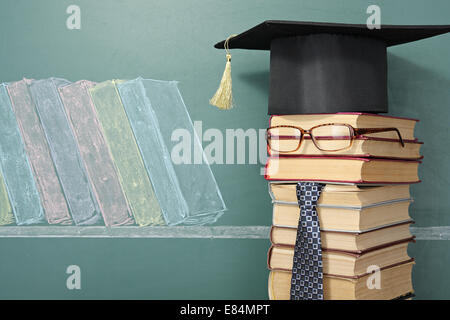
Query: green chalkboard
pixel 173 40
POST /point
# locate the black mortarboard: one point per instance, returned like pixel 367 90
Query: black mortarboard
pixel 327 67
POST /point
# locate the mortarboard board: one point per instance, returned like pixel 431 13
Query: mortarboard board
pixel 326 67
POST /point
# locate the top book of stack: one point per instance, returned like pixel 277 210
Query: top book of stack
pixel 378 145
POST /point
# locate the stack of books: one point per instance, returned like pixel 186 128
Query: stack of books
pixel 367 163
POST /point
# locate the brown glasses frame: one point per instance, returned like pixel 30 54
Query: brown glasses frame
pixel 354 133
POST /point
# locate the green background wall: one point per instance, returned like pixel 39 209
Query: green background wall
pixel 173 40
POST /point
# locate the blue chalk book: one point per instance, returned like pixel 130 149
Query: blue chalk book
pixel 15 167
pixel 77 190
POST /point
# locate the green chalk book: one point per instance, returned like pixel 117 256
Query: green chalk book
pixel 6 214
pixel 126 156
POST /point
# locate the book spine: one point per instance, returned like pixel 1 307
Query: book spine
pixel 15 167
pixel 64 150
pixel 95 154
pixel 126 155
pixel 36 147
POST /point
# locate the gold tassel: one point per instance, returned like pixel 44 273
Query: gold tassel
pixel 223 98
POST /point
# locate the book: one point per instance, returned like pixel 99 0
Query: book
pixel 15 168
pixel 64 150
pixel 147 103
pixel 340 218
pixel 125 152
pixel 356 242
pixel 395 282
pixel 335 195
pixel 361 146
pixel 37 149
pixel 357 120
pixel 342 169
pixel 343 263
pixel 6 214
pixel 95 153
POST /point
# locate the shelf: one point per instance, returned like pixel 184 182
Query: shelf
pixel 195 232
pixel 181 232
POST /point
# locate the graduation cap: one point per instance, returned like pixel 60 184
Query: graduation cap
pixel 323 67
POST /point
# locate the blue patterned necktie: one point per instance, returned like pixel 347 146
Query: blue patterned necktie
pixel 307 271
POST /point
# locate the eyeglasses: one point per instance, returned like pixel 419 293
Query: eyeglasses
pixel 326 137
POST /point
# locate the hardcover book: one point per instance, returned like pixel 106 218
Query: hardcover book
pixel 343 195
pixel 361 146
pixel 351 241
pixel 395 282
pixel 341 218
pixel 342 169
pixel 357 120
pixel 343 263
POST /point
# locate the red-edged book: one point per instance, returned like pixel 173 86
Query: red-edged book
pixel 380 144
pixel 343 263
pixel 362 146
pixel 355 119
pixel 342 170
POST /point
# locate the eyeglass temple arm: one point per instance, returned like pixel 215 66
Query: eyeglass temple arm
pixel 359 131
